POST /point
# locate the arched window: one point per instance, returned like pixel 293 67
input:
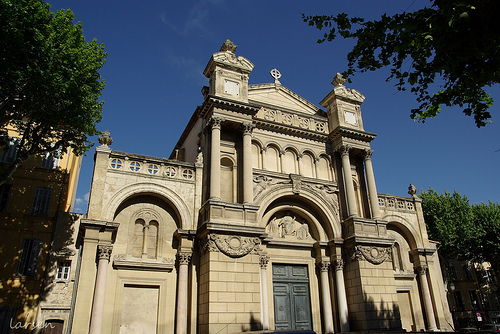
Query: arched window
pixel 138 238
pixel 152 239
pixel 145 239
pixel 307 165
pixel 272 159
pixel 324 170
pixel 228 181
pixel 256 156
pixel 397 261
pixel 290 162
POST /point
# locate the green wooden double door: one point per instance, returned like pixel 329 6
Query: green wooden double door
pixel 292 303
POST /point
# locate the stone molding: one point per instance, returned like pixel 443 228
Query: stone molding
pixel 231 245
pixel 288 119
pixel 124 261
pixel 372 254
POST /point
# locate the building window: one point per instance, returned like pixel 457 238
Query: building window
pixel 152 169
pixel 187 174
pixel 135 166
pixel 28 261
pixel 4 196
pixel 459 301
pixel 487 276
pixel 452 272
pixel 116 164
pixel 474 300
pixel 51 160
pixel 170 172
pixel 63 268
pixel 467 272
pixel 41 202
pixel 9 151
pixel 6 315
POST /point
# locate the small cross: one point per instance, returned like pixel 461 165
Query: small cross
pixel 276 75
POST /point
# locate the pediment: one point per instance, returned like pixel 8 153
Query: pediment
pixel 281 98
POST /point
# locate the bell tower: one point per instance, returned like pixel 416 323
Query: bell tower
pixel 343 106
pixel 228 74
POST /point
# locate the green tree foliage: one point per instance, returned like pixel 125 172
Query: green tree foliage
pixel 447 53
pixel 49 81
pixel 464 230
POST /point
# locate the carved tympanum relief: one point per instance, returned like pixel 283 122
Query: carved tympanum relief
pixel 288 227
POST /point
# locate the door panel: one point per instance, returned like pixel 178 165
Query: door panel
pixel 292 305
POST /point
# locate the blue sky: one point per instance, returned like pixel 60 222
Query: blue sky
pixel 158 50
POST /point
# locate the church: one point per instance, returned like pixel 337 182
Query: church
pixel 266 216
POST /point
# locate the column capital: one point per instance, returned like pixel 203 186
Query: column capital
pixel 263 261
pixel 422 269
pixel 216 122
pixel 184 257
pixel 344 150
pixel 367 154
pixel 104 251
pixel 338 264
pixel 323 265
pixel 247 128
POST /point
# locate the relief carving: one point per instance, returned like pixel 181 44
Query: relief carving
pixel 288 227
pixel 231 245
pixel 261 182
pixel 372 254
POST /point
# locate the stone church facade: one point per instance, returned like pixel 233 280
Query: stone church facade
pixel 265 216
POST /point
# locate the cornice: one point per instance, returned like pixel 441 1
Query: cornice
pixel 342 131
pixel 213 101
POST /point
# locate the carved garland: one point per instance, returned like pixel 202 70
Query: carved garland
pixel 372 254
pixel 231 245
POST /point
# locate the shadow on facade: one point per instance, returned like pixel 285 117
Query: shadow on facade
pixel 380 316
pixel 22 292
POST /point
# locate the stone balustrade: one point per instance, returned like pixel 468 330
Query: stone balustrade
pixel 395 203
pixel 160 167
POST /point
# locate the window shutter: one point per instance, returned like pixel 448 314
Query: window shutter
pixel 41 202
pixel 34 256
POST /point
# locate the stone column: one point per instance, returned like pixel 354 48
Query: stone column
pixel 216 123
pixel 264 260
pixel 182 292
pixel 422 271
pixel 316 168
pixel 247 163
pixel 103 254
pixel 372 188
pixel 341 295
pixel 349 186
pixel 324 267
pixel 282 162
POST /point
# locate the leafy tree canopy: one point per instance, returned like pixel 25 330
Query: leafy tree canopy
pixel 446 54
pixel 464 231
pixel 49 81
